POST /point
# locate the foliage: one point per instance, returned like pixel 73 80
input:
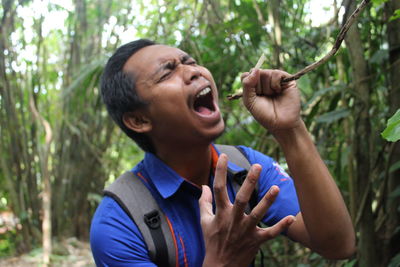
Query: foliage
pixel 396 15
pixel 392 131
pixel 7 244
pixel 395 261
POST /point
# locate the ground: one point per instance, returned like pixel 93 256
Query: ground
pixel 68 253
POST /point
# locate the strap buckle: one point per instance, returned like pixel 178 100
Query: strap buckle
pixel 152 219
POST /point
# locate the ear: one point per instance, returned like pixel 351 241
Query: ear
pixel 137 121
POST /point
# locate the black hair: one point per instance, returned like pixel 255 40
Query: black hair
pixel 118 90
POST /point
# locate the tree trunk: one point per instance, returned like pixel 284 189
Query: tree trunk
pixel 46 192
pixel 274 21
pixel 18 164
pixel 392 239
pixel 367 251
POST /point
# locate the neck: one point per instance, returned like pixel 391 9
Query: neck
pixel 192 163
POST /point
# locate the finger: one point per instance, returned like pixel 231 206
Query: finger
pixel 262 207
pixel 245 191
pixel 205 202
pixel 250 81
pixel 265 81
pixel 276 79
pixel 285 85
pixel 249 91
pixel 259 88
pixel 219 187
pixel 275 230
pixel 244 75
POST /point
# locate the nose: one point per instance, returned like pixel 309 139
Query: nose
pixel 190 73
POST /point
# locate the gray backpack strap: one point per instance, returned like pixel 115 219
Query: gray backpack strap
pixel 237 156
pixel 137 201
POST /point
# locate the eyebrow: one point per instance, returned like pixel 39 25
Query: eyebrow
pixel 183 58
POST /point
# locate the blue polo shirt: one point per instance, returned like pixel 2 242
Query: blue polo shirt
pixel 116 241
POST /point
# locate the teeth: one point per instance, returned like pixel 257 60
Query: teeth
pixel 203 92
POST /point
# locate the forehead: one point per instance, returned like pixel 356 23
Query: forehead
pixel 149 58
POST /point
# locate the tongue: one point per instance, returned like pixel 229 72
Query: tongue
pixel 203 110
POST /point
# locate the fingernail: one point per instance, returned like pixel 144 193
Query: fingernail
pixel 274 190
pixel 291 219
pixel 222 155
pixel 251 71
pixel 257 167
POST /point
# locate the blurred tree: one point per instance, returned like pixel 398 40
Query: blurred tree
pixel 392 202
pixel 362 144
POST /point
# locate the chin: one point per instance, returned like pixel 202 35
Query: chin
pixel 217 132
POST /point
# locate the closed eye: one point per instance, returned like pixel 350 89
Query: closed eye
pixel 188 60
pixel 191 62
pixel 169 67
pixel 164 76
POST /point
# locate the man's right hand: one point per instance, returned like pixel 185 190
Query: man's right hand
pixel 231 237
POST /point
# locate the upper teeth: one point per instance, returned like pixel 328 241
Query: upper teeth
pixel 204 92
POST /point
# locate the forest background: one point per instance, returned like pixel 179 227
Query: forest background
pixel 59 148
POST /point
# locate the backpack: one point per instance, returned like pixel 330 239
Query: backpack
pixel 136 200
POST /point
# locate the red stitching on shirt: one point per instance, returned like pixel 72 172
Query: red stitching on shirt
pixel 184 251
pixel 144 179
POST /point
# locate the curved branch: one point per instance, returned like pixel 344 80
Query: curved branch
pixel 335 48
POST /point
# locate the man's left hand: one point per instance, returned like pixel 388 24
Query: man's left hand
pixel 275 105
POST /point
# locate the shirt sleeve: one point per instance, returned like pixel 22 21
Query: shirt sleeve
pixel 115 239
pixel 272 173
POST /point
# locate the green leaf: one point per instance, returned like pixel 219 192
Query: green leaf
pixel 395 16
pixel 395 166
pixel 350 263
pixel 395 193
pixel 314 256
pixel 395 261
pixel 392 131
pixel 379 57
pixel 322 92
pixel 378 2
pixel 333 115
pixel 397 230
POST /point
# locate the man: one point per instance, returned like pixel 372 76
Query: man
pixel 167 103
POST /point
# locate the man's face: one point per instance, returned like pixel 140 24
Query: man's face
pixel 182 96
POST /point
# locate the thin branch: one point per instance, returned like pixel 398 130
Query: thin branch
pixel 46 192
pixel 240 91
pixel 335 48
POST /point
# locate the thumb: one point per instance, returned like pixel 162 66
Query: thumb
pixel 205 201
pixel 250 79
pixel 278 228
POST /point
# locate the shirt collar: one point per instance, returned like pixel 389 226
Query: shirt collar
pixel 167 181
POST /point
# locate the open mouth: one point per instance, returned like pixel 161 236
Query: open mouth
pixel 204 102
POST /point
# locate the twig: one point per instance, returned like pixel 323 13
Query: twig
pixel 335 48
pixel 239 93
pixel 260 61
